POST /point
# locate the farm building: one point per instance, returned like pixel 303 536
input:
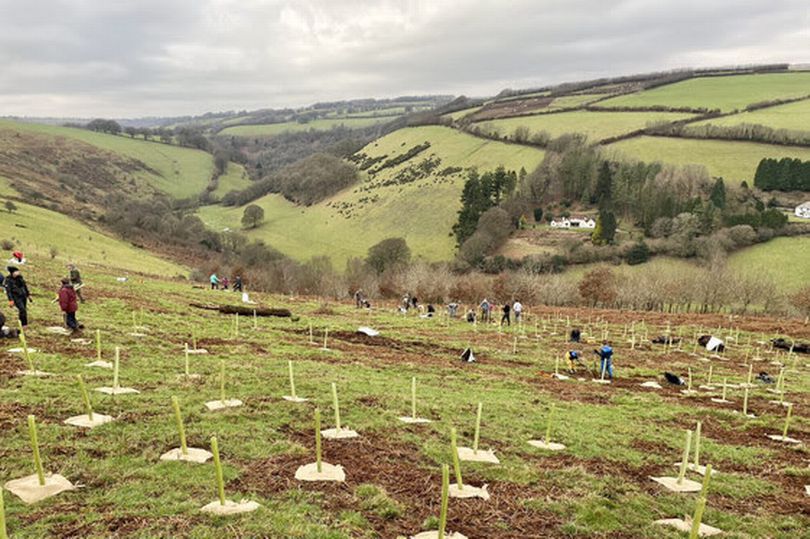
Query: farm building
pixel 574 222
pixel 803 210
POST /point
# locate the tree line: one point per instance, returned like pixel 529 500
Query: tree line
pixel 784 174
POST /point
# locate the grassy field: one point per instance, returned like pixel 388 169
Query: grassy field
pixel 180 172
pixel 787 260
pixel 269 130
pixel 616 435
pixel 724 93
pixel 422 211
pixel 35 230
pixel 734 161
pixel 793 116
pixel 234 179
pixel 596 125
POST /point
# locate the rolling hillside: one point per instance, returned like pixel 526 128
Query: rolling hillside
pixel 180 172
pixel 794 116
pixel 416 199
pixel 269 130
pixel 36 231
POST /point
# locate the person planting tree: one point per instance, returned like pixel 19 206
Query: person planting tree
pixel 17 293
pixel 606 356
pixel 76 280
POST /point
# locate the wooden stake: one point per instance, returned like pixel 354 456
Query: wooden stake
pixel 311 339
pixel 477 428
pixel 456 465
pixel 180 428
pixel 709 380
pixel 255 320
pixel 325 337
pixel 445 500
pixel 750 374
pixel 218 467
pixel 685 459
pixel 32 431
pixel 292 380
pixel 689 383
pixel 98 345
pixel 725 387
pixel 187 370
pixel 787 420
pixel 697 445
pixel 318 464
pixel 694 533
pixel 337 406
pixel 85 397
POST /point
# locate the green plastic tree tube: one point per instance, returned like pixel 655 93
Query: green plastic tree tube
pixel 456 465
pixel 700 507
pixel 187 370
pixel 685 459
pixel 697 445
pixel 3 530
pixel 336 404
pixel 218 467
pixel 32 431
pixel 318 464
pixel 787 420
pixel 85 397
pixel 222 381
pixel 116 363
pixel 413 397
pixel 445 500
pixel 180 428
pixel 477 428
pixel 292 379
pixel 98 344
pixel 548 424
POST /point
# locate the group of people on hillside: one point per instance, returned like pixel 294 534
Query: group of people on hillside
pixel 605 353
pixel 224 283
pixel 515 307
pixel 19 296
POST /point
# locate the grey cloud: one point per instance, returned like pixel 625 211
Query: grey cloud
pixel 167 57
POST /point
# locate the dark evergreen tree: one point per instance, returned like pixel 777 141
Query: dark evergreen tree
pixel 718 194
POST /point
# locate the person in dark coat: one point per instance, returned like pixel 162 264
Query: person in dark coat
pixel 68 302
pixel 505 318
pixel 17 293
pixel 237 284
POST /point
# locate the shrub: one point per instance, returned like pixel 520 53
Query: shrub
pixel 598 286
pixel 7 245
pixel 387 254
pixel 638 254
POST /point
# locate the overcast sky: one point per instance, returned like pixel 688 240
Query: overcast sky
pixel 173 57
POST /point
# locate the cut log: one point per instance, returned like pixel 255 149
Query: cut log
pixel 244 311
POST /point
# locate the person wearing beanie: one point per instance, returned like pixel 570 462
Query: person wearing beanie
pixel 17 293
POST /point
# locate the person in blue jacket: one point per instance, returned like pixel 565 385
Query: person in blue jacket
pixel 606 355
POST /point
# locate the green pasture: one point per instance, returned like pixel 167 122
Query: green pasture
pixel 596 125
pixel 734 161
pixel 792 116
pixel 422 212
pixel 726 93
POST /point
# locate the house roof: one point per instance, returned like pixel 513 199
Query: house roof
pixel 806 205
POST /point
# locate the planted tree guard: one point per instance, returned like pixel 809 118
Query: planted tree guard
pixel 223 506
pixel 413 418
pixel 184 453
pixel 685 525
pixel 40 485
pixel 319 470
pixel 244 311
pixel 338 433
pixel 680 483
pixel 474 454
pixel 90 419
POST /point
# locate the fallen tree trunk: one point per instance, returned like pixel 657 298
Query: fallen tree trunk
pixel 245 311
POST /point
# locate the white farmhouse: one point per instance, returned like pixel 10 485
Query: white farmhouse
pixel 574 222
pixel 803 210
